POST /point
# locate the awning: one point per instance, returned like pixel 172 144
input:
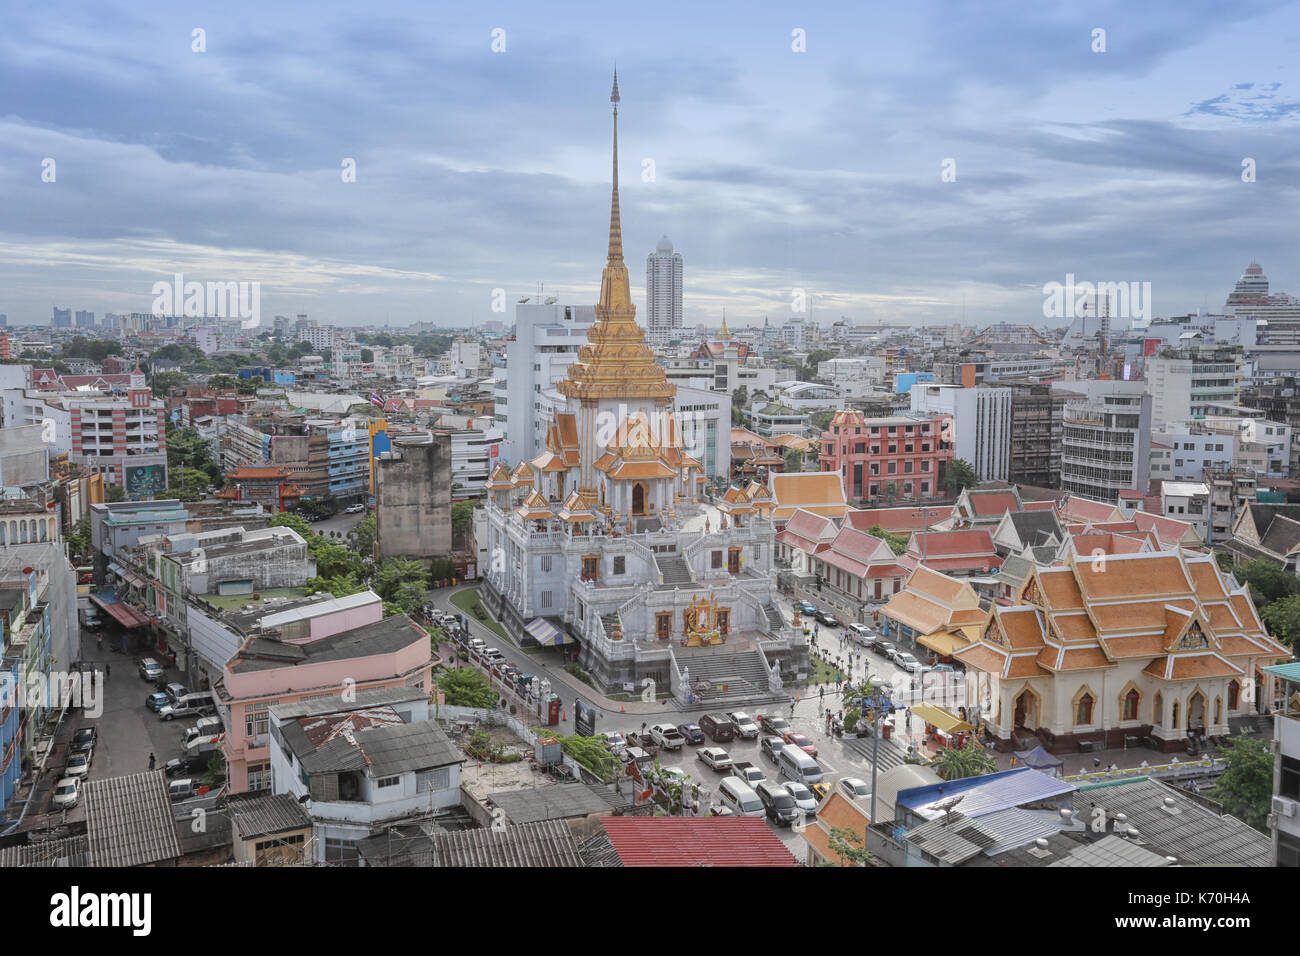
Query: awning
pixel 940 718
pixel 124 614
pixel 943 643
pixel 546 633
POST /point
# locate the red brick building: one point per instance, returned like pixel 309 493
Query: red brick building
pixel 904 457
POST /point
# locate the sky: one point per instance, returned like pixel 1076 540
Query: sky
pixel 482 158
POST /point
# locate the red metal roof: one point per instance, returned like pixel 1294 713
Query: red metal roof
pixel 696 841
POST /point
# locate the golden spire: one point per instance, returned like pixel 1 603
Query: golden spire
pixel 615 362
pixel 723 334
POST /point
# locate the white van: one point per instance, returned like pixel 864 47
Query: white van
pixel 204 727
pixel 739 797
pixel 799 766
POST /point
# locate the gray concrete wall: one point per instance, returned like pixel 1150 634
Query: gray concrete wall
pixel 413 500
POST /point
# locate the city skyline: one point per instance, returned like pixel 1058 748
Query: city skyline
pixel 774 170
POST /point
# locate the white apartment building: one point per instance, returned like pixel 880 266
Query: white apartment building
pixel 705 420
pixel 1263 446
pixel 1105 439
pixel 854 377
pixel 466 358
pixel 1189 450
pixel 472 459
pixel 1182 388
pixel 809 396
pixel 546 341
pixel 1187 501
pixel 981 424
pixel 321 337
pixel 663 292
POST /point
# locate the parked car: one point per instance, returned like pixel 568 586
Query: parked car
pixel 907 662
pixel 691 733
pixel 354 509
pixel 796 739
pixel 770 747
pixel 745 725
pixel 718 810
pixel 181 789
pixel 773 724
pixel 667 736
pixel 719 727
pixel 820 790
pixel 805 608
pixel 613 740
pixel 83 739
pixel 157 701
pixel 853 787
pixel 185 709
pixel 747 772
pixel 78 764
pixel 861 633
pixel 802 796
pixel 190 763
pixel 715 758
pixel 150 669
pixel 203 727
pixel 885 649
pixel 940 669
pixel 777 803
pixel 66 793
pixel 827 618
pixel 176 690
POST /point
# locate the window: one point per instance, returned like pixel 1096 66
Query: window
pixel 893 468
pixel 1234 689
pixel 1290 782
pixel 255 720
pixel 259 776
pixel 620 565
pixel 717 560
pixel 664 625
pixel 546 562
pixel 340 851
pixel 925 465
pixel 384 782
pixel 1083 710
pixel 733 560
pixel 1131 701
pixel 907 467
pixel 546 599
pixel 429 780
pixel 590 566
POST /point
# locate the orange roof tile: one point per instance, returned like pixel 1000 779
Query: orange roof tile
pixel 1138 575
pixel 934 584
pixel 982 657
pixel 1205 576
pixel 1137 645
pixel 915 611
pixel 641 469
pixel 1081 658
pixel 1022 627
pixel 1020 667
pixel 1059 588
pixel 1075 627
pixel 1191 667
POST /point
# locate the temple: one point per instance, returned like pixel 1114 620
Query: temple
pixel 602 543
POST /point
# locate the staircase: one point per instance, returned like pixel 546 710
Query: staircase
pixel 774 619
pixel 676 572
pixel 733 678
pixel 609 620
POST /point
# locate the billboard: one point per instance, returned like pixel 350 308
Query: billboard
pixel 146 480
pixel 584 719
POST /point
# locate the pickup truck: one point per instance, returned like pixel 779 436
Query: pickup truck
pixel 747 772
pixel 643 741
pixel 667 736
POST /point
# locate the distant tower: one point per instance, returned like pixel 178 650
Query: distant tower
pixel 663 292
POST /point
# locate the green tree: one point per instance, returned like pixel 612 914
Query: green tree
pixel 78 538
pixel 361 538
pixel 162 383
pixel 367 355
pixel 739 398
pixel 955 763
pixel 462 514
pixel 897 543
pixel 1225 561
pixel 960 475
pixel 793 459
pixel 821 420
pixel 223 383
pixel 393 573
pixel 177 352
pixel 341 585
pixel 1246 788
pixel 1282 618
pixel 1268 582
pixel 286 520
pixel 465 687
pixel 848 845
pixel 333 560
pixel 114 493
pixel 187 484
pixel 890 492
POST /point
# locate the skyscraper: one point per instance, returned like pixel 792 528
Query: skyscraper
pixel 62 318
pixel 663 292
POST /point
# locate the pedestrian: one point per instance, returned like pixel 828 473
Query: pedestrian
pixel 108 671
pixel 151 760
pixel 99 641
pixel 821 694
pixel 907 720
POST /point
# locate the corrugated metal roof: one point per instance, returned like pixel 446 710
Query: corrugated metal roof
pixel 1194 834
pixel 336 705
pixel 1112 851
pixel 70 851
pixel 986 794
pixel 1016 827
pixel 555 802
pixel 265 814
pixel 383 750
pixel 696 841
pixel 547 843
pixel 1288 672
pixel 129 820
pixel 952 838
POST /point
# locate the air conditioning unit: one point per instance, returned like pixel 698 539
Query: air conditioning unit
pixel 1284 806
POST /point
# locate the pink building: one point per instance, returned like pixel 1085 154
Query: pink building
pixel 392 652
pixel 903 457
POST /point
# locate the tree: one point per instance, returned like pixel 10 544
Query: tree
pixel 821 420
pixel 162 383
pixel 78 538
pixel 960 476
pixel 187 484
pixel 333 560
pixel 793 459
pixel 223 383
pixel 286 520
pixel 114 493
pixel 1224 559
pixel 177 352
pixel 465 687
pixel 362 538
pixel 367 355
pixel 955 763
pixel 738 400
pixel 341 585
pixel 393 573
pixel 845 842
pixel 1282 618
pixel 462 513
pixel 1246 788
pixel 891 491
pixel 897 543
pixel 1268 582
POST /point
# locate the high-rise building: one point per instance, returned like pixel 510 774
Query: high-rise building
pixel 124 439
pixel 1184 384
pixel 981 424
pixel 62 318
pixel 1278 314
pixel 663 292
pixel 1036 417
pixel 1105 439
pixel 85 320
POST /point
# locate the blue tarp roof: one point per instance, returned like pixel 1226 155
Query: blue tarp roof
pixel 1039 759
pixel 985 794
